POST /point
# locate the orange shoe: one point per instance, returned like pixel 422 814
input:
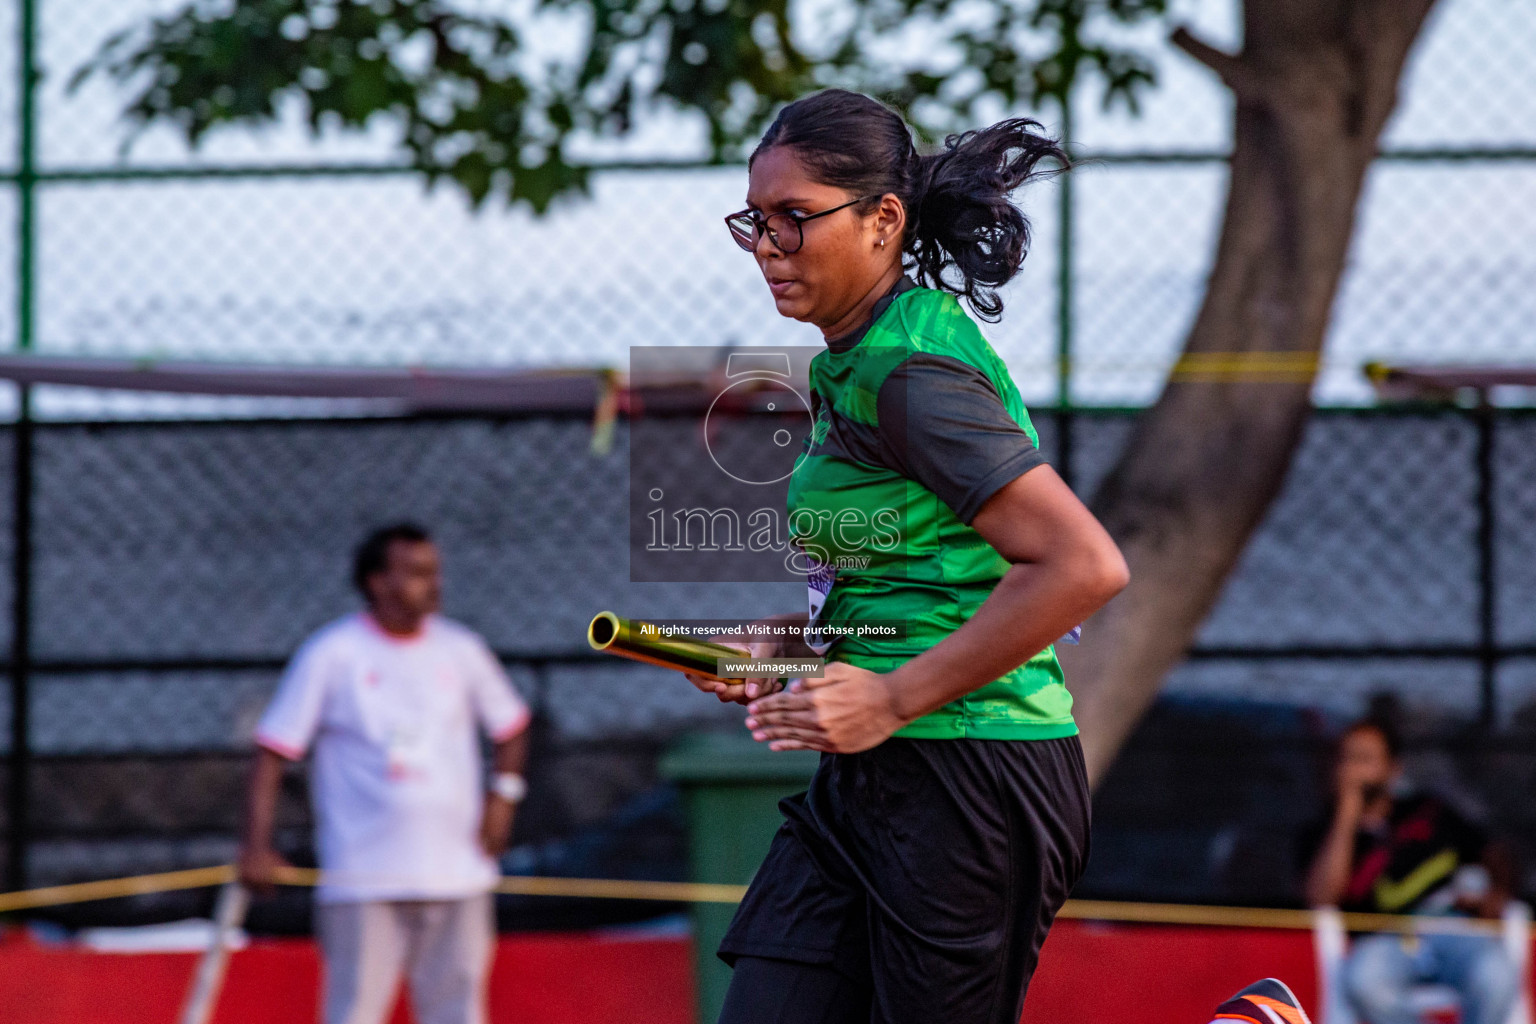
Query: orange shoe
pixel 1264 1002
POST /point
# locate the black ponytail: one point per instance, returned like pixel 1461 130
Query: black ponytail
pixel 963 234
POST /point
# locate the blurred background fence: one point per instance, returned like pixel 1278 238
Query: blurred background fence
pixel 165 554
pixel 176 565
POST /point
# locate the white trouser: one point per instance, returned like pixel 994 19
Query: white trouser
pixel 442 947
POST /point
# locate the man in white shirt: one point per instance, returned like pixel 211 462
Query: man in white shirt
pixel 391 700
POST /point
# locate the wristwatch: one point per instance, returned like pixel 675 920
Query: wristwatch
pixel 509 786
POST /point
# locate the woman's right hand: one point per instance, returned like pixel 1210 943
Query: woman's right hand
pixel 746 690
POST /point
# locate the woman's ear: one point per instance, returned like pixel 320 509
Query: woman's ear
pixel 890 220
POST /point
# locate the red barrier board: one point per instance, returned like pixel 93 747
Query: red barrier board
pixel 542 979
pixel 1091 972
pixel 1088 973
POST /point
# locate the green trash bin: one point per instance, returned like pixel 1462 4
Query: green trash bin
pixel 731 788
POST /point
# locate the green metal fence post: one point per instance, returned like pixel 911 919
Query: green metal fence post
pixel 1064 283
pixel 18 783
pixel 1487 565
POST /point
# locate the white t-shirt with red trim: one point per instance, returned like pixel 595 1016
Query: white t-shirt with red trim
pixel 397 781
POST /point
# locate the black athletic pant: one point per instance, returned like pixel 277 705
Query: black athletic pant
pixel 767 991
pixel 913 883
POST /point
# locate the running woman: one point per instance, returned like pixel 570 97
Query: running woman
pixel 948 820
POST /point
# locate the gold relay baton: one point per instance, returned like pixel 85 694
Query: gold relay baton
pixel 642 641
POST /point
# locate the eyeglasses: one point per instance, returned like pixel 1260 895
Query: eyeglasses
pixel 785 230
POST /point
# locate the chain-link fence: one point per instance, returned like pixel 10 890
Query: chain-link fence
pixel 174 566
pixel 177 565
pixel 275 246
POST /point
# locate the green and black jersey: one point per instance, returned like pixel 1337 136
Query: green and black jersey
pixel 916 424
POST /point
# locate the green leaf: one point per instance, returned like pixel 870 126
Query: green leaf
pixel 478 112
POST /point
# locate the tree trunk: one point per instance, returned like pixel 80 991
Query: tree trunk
pixel 1314 85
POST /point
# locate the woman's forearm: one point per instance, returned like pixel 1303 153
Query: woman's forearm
pixel 1032 606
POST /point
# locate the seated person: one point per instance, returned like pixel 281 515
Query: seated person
pixel 1386 849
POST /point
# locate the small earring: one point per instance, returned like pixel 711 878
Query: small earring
pixel 882 243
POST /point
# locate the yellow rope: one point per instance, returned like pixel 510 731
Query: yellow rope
pixel 613 889
pixel 580 888
pixel 705 892
pixel 82 892
pixel 1262 917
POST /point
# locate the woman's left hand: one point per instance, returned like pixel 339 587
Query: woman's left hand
pixel 843 711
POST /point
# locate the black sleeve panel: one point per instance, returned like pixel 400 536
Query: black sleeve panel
pixel 943 424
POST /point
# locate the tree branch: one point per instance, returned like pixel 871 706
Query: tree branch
pixel 1230 69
